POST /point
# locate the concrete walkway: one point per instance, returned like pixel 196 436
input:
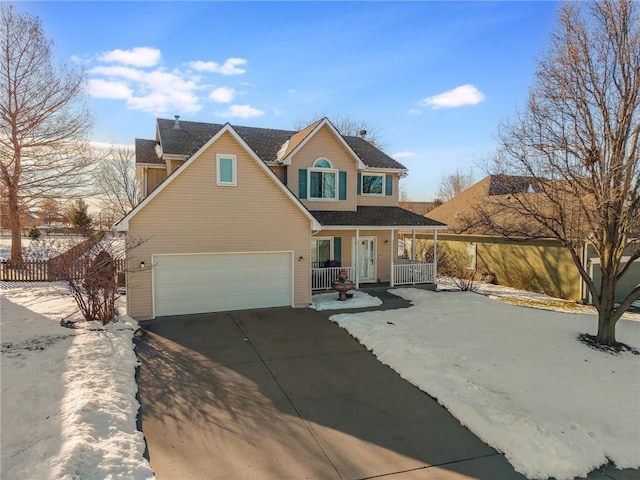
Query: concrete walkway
pixel 286 394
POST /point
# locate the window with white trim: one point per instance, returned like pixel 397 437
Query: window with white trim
pixel 323 181
pixel 372 184
pixel 226 170
pixel 321 251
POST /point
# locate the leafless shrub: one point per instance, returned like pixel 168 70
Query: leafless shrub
pixel 93 277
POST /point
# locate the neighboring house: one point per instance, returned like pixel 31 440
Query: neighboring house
pixel 421 208
pixel 241 217
pixel 542 265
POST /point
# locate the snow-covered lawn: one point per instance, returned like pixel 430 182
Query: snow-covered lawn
pixel 47 246
pixel 516 376
pixel 68 395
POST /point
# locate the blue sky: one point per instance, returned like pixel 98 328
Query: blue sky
pixel 435 78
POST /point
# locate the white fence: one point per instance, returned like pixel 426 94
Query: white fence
pixel 414 272
pixel 322 278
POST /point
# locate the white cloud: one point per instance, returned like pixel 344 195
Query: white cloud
pixel 137 57
pixel 108 89
pixel 229 67
pixel 458 97
pixel 133 76
pixel 222 94
pixel 291 90
pixel 154 91
pixel 241 111
pixel 403 155
pixel 414 111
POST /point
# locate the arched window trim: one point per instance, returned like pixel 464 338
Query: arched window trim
pixel 324 172
pixel 322 159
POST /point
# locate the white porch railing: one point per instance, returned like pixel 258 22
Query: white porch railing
pixel 322 278
pixel 413 272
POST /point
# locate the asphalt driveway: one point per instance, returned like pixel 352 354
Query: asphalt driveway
pixel 285 393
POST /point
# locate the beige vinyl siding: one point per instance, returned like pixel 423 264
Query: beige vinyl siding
pixel 155 176
pixel 172 165
pixel 194 215
pixel 380 200
pixel 325 144
pixel 281 172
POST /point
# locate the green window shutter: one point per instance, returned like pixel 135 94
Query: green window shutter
pixel 302 183
pixel 343 186
pixel 337 249
pixel 359 184
pixel 388 185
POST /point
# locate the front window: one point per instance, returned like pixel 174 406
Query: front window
pixel 323 180
pixel 226 169
pixel 320 252
pixel 372 184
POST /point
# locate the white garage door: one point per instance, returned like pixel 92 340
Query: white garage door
pixel 198 283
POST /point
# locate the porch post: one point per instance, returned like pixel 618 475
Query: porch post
pixel 435 255
pixel 356 261
pixel 392 276
pixel 413 245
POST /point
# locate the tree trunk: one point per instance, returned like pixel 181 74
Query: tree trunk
pixel 606 329
pixel 606 318
pixel 16 227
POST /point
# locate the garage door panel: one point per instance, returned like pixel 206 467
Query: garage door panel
pixel 218 282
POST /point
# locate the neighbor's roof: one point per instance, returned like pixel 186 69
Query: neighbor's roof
pixel 375 217
pixel 265 142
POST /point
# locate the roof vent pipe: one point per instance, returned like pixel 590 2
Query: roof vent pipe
pixel 177 124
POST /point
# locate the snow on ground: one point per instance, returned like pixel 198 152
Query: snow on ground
pixel 517 377
pixel 68 395
pixel 47 246
pixel 329 301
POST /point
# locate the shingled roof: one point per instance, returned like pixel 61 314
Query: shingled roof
pixel 188 137
pixel 146 152
pixel 374 217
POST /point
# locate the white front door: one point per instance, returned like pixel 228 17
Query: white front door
pixel 366 253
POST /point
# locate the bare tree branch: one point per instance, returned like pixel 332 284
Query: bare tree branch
pixel 575 146
pixel 44 121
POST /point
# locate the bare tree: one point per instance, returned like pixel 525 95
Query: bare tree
pixel 347 126
pixel 116 180
pixel 453 184
pixel 44 120
pixel 575 148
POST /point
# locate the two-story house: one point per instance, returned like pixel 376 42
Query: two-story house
pixel 240 217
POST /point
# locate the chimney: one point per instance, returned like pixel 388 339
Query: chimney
pixel 177 124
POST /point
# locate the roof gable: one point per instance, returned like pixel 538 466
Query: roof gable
pixel 123 224
pixel 308 133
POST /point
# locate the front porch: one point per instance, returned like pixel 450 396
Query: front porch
pixel 404 272
pixel 368 244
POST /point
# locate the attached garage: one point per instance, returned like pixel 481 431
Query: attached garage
pixel 216 282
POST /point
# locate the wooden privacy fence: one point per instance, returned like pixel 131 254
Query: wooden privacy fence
pixel 49 271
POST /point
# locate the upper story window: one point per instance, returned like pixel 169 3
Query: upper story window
pixel 372 185
pixel 226 170
pixel 323 180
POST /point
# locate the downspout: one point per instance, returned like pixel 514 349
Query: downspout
pixel 435 256
pixel 357 258
pixel 392 276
